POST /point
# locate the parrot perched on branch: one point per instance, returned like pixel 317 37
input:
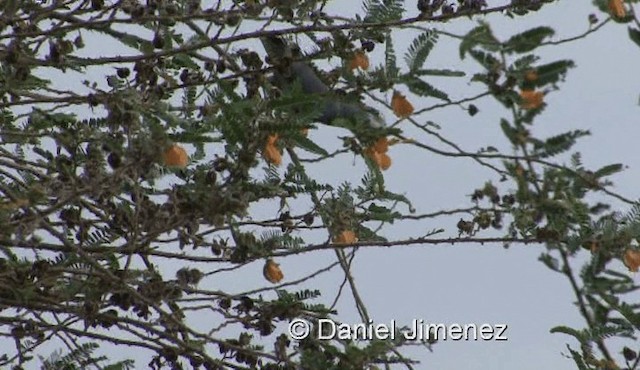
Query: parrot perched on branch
pixel 278 50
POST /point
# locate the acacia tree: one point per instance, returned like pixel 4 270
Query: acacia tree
pixel 112 233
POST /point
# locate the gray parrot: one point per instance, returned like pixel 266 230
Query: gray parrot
pixel 277 50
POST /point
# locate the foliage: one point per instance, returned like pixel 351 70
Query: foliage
pixel 177 159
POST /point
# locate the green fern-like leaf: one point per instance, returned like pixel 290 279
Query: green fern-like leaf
pixel 391 67
pixel 633 215
pixel 365 233
pixel 577 358
pixel 310 145
pixel 525 62
pixel 189 101
pixel 552 73
pixel 381 213
pixel 422 88
pixel 608 170
pixel 307 294
pixel 121 365
pixel 272 175
pixel 579 335
pixel 481 36
pixel 379 11
pixel 528 40
pixel 81 358
pixel 280 240
pixel 100 237
pixel 399 198
pixel 630 314
pixel 487 60
pixel 576 161
pixel 373 181
pixel 75 359
pixel 419 50
pixel 295 180
pixel 558 144
pixel 608 331
pixel 439 72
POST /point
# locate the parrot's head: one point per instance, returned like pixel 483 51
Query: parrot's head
pixel 375 119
